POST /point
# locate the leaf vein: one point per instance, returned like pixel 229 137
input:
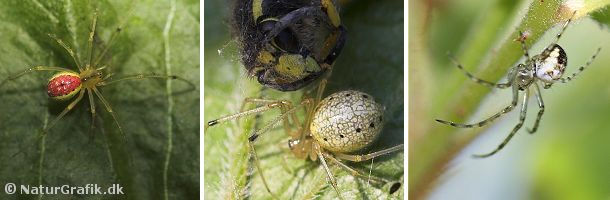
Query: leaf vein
pixel 168 88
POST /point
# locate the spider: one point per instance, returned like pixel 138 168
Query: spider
pixel 546 68
pixel 66 83
pixel 342 123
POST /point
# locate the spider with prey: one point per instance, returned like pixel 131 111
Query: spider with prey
pixel 340 124
pixel 545 68
pixel 66 83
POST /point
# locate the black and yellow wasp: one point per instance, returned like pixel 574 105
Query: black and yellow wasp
pixel 287 44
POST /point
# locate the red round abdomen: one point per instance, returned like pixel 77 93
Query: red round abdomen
pixel 63 84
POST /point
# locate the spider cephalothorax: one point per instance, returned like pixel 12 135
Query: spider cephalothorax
pixel 545 68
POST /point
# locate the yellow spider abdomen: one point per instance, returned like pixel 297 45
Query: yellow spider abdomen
pixel 347 121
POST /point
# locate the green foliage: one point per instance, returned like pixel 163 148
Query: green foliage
pixel 602 16
pixel 71 154
pixel 371 61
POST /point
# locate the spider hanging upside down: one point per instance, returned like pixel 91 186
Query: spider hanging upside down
pixel 340 124
pixel 67 83
pixel 548 67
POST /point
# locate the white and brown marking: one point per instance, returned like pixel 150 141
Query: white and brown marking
pixel 550 68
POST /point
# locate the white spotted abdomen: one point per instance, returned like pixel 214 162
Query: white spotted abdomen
pixel 347 121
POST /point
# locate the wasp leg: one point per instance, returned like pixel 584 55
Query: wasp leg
pixel 292 18
pixel 340 42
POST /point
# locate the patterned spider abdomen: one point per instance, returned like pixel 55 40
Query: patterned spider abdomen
pixel 64 85
pixel 347 121
pixel 552 65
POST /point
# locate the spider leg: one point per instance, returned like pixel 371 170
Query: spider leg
pixel 540 112
pixel 550 47
pixel 109 109
pixel 310 108
pixel 37 68
pixel 271 105
pixel 259 168
pixel 474 78
pixel 490 119
pixel 90 40
pixel 66 110
pixel 320 90
pixel 355 172
pixel 284 107
pixel 69 50
pixel 143 76
pixel 275 121
pixel 92 104
pixel 250 100
pixel 524 47
pixel 329 174
pixel 563 28
pixel 113 36
pixel 360 158
pixel 512 133
pixel 571 77
pixel 286 151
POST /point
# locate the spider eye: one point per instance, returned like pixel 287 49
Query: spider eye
pixel 292 143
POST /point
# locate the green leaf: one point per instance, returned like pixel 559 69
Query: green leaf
pixel 602 16
pixel 371 61
pixel 157 155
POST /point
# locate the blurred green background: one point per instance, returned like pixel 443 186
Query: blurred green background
pixel 371 61
pixel 569 156
pixel 71 154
